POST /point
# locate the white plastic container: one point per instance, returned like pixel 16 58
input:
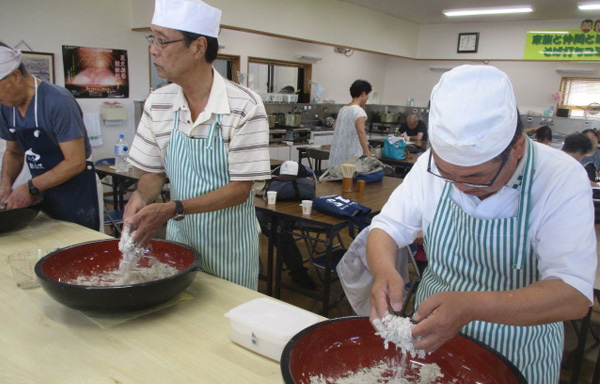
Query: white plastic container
pixel 265 326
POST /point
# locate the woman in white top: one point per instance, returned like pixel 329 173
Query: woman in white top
pixel 349 137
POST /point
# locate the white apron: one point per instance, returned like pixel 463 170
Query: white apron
pixel 470 254
pixel 227 240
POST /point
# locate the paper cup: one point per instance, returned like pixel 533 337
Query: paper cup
pixel 306 207
pixel 271 197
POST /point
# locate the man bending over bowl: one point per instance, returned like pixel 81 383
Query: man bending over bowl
pixel 508 229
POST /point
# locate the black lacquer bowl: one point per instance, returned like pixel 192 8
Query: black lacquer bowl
pixel 96 257
pixel 14 219
pixel 333 348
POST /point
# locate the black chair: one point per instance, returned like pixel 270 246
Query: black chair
pixel 318 155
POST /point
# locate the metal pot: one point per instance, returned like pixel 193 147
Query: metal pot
pixel 293 120
pixel 272 120
pixel 389 117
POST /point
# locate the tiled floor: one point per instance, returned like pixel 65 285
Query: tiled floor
pixel 344 309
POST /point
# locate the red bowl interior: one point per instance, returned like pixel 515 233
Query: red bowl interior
pixel 335 347
pixel 103 256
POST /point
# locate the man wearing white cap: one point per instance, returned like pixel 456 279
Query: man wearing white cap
pixel 43 126
pixel 210 137
pixel 498 213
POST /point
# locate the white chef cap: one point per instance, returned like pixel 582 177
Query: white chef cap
pixel 187 15
pixel 10 59
pixel 473 115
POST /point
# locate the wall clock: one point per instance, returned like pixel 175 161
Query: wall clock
pixel 468 42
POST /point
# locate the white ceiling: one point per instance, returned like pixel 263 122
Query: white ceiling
pixel 430 11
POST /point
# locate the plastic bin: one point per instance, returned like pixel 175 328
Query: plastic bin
pixel 265 326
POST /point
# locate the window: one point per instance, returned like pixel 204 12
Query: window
pixel 581 96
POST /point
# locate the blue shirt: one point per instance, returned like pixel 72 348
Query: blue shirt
pixel 595 158
pixel 59 116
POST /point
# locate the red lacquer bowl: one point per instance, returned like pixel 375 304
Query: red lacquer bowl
pixel 102 256
pixel 335 347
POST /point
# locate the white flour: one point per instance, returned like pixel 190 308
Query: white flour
pixel 129 271
pixel 131 253
pixel 397 330
pixel 382 372
pixel 136 275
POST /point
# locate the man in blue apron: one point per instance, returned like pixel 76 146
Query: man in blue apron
pixel 43 126
pixel 508 229
pixel 210 137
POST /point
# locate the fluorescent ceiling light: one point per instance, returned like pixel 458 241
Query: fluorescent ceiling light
pixel 553 32
pixel 438 68
pixel 580 71
pixel 588 6
pixel 487 11
pixel 308 57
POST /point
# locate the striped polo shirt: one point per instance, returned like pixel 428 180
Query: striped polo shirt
pixel 244 128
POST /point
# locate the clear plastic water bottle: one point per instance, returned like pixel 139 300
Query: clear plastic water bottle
pixel 121 150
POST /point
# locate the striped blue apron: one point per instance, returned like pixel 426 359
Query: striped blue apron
pixel 470 254
pixel 227 240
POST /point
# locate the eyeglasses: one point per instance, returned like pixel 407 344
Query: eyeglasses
pixel 160 43
pixel 475 185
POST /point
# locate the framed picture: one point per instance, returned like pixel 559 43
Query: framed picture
pixel 39 64
pixel 468 42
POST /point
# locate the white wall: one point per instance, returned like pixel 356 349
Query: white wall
pixel 497 41
pixel 324 21
pixel 45 26
pixel 335 72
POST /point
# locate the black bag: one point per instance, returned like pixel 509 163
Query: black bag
pixel 300 186
pixel 298 189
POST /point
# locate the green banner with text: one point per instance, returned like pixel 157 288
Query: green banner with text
pixel 568 44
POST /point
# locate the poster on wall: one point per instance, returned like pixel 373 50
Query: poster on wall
pixel 582 43
pixel 39 64
pixel 96 72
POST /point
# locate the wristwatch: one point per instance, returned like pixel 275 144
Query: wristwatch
pixel 32 188
pixel 179 212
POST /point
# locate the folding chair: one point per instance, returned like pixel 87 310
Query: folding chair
pixel 114 220
pixel 412 285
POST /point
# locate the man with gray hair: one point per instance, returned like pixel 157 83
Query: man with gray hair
pixel 210 137
pixel 43 126
pixel 414 128
pixel 497 212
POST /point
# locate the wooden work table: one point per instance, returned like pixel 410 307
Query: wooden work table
pixel 46 342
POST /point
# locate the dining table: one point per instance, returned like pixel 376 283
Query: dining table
pixel 122 182
pixel 287 216
pixel 400 167
pixel 44 341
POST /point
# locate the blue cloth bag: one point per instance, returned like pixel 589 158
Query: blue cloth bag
pixel 357 214
pixel 394 148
